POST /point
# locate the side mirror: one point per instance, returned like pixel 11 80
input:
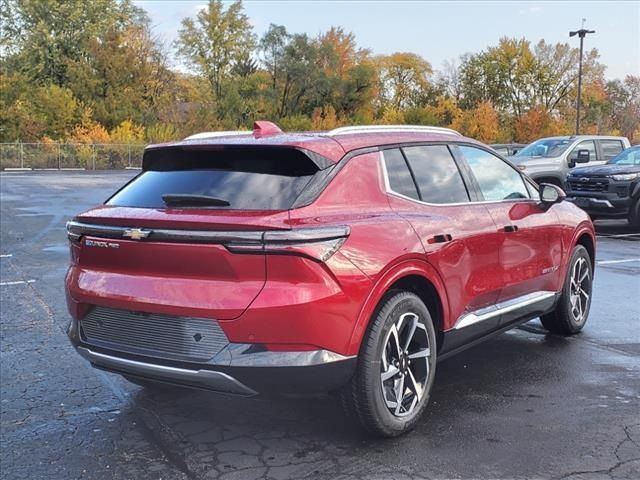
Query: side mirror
pixel 583 156
pixel 550 194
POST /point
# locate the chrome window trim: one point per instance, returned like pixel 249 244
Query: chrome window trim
pixel 487 313
pixel 390 191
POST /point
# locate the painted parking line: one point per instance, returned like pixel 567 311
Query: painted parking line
pixel 17 282
pixel 611 262
pixel 6 255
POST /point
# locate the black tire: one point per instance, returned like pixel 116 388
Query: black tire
pixel 569 318
pixel 634 215
pixel 363 398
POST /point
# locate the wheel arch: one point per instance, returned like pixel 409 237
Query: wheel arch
pixel 416 276
pixel 587 240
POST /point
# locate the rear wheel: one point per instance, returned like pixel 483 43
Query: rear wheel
pixel 572 309
pixel 396 367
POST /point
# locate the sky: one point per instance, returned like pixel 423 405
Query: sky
pixel 438 31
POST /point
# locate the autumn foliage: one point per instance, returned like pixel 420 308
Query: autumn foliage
pixel 101 76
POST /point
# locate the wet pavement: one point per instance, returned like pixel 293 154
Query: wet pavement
pixel 524 405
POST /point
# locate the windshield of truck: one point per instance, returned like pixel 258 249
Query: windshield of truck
pixel 547 147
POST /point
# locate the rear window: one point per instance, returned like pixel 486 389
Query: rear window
pixel 244 177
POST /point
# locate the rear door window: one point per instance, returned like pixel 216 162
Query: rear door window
pixel 611 148
pixel 399 175
pixel 436 174
pixel 241 178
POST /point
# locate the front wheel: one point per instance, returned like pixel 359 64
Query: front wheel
pixel 396 367
pixel 572 309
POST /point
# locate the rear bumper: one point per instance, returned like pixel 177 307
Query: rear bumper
pixel 239 369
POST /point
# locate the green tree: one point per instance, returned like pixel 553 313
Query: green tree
pixel 624 106
pixel 45 38
pixel 404 79
pixel 216 41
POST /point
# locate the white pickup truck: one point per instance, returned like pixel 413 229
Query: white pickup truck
pixel 550 159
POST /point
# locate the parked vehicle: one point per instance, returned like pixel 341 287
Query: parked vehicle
pixel 611 190
pixel 508 149
pixel 549 160
pixel 349 261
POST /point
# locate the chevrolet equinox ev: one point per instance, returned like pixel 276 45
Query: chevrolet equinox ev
pixel 348 261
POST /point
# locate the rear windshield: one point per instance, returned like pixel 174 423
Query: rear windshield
pixel 243 178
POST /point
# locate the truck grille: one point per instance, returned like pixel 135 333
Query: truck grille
pixel 151 334
pixel 592 184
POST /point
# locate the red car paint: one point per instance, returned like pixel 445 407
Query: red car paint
pixel 295 303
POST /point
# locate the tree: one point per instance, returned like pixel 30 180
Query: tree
pixel 272 47
pixel 98 55
pixel 46 38
pixel 339 53
pixel 517 78
pixel 28 115
pixel 624 105
pixel 480 123
pixel 216 41
pixel 404 79
pixel 536 123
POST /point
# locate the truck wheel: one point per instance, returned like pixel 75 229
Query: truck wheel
pixel 572 309
pixel 396 368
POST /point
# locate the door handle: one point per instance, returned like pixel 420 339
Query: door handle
pixel 510 228
pixel 441 238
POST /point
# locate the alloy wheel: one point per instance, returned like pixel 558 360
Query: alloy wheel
pixel 404 369
pixel 580 289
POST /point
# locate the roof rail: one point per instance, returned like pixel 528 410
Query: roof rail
pixel 392 128
pixel 234 133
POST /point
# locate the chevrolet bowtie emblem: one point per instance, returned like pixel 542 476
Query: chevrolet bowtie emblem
pixel 136 233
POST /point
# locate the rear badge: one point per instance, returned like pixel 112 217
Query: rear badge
pixel 136 233
pixel 549 269
pixel 100 244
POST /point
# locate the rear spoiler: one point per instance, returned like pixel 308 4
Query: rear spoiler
pixel 167 156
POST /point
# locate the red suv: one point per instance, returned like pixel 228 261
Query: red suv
pixel 348 261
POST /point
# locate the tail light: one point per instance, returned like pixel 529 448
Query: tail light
pixel 316 243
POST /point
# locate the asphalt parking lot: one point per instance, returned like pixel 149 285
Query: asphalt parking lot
pixel 524 405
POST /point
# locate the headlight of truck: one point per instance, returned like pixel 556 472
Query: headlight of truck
pixel 624 177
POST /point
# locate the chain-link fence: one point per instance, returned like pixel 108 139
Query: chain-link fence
pixel 70 156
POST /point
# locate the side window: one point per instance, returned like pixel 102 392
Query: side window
pixel 586 145
pixel 400 179
pixel 610 148
pixel 436 173
pixel 497 179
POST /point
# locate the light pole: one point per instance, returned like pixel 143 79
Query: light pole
pixel 581 33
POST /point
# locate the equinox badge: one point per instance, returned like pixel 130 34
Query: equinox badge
pixel 136 233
